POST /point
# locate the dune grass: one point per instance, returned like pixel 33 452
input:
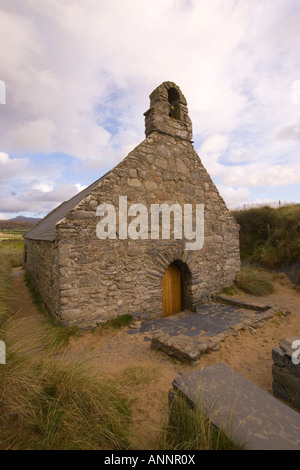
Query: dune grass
pixel 190 429
pixel 254 282
pixel 46 402
pixel 270 236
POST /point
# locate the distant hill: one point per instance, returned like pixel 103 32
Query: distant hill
pixel 22 218
pixel 17 225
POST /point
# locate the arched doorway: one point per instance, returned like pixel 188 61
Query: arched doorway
pixel 172 290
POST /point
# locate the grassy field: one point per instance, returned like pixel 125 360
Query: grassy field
pixel 15 226
pixel 13 231
pixel 11 235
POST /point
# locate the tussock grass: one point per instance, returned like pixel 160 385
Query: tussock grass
pixel 48 404
pixel 254 282
pixel 39 336
pixel 190 429
pixel 270 236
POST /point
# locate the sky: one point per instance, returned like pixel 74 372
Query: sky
pixel 78 75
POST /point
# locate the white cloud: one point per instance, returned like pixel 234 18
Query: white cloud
pixel 79 187
pixel 253 175
pixel 37 199
pixel 3 158
pixel 75 54
pixel 234 197
pixel 43 187
pixel 215 144
pixel 10 168
pixel 290 132
pixel 34 135
pixel 78 76
pixel 22 169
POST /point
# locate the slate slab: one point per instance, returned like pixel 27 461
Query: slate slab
pixel 241 304
pixel 246 412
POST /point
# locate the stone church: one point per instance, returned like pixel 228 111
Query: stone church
pixel 84 279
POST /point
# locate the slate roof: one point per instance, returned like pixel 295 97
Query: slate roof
pixel 45 229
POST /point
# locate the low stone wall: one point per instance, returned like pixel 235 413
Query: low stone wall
pixel 286 373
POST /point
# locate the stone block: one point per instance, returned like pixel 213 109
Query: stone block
pixel 132 172
pixel 286 374
pixel 150 185
pixel 287 380
pixel 134 182
pixel 280 392
pixel 279 358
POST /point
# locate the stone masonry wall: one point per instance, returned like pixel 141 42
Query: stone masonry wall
pixel 40 262
pixel 101 279
pixel 157 116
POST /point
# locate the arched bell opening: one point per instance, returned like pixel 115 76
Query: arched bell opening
pixel 174 102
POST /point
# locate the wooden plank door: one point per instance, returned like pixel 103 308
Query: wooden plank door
pixel 171 291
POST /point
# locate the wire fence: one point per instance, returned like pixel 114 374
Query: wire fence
pixel 274 204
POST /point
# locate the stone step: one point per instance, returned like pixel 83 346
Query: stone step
pixel 186 335
pixel 241 303
pixel 245 412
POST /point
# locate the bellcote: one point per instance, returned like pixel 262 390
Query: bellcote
pixel 168 113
